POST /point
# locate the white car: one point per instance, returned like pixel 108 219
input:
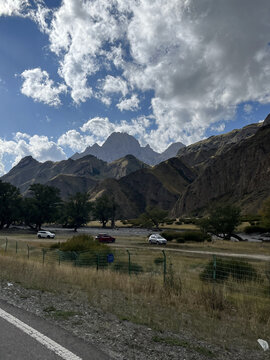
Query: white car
pixel 45 234
pixel 157 239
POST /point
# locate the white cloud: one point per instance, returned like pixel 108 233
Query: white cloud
pixel 40 147
pixel 40 87
pixel 75 141
pixel 248 108
pixel 131 104
pixel 198 59
pixel 218 128
pixel 113 84
pixel 12 7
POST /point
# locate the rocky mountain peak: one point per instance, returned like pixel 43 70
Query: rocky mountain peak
pixel 120 144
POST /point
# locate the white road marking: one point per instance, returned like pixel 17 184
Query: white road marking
pixel 44 340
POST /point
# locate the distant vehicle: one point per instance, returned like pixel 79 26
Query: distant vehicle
pixel 157 239
pixel 105 238
pixel 45 234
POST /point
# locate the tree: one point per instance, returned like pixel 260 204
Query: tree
pixel 265 213
pixel 102 209
pixel 222 221
pixel 152 217
pixel 43 205
pixel 10 202
pixel 77 210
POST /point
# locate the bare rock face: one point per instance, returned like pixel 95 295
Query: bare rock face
pixel 200 153
pixel 240 175
pixel 119 145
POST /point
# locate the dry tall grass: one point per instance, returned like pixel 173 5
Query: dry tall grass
pixel 211 312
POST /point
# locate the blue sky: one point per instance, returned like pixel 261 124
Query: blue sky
pixel 74 71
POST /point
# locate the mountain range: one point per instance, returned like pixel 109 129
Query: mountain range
pixel 228 168
pixel 119 145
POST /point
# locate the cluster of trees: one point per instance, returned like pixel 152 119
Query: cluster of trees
pixel 44 205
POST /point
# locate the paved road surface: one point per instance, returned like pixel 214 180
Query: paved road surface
pixel 24 336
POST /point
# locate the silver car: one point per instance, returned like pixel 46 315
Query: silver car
pixel 157 239
pixel 45 234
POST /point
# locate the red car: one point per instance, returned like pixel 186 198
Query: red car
pixel 105 238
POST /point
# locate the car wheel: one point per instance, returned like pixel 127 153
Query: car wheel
pixel 39 236
pixel 48 236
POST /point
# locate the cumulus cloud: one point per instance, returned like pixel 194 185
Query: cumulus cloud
pixel 199 60
pixel 131 104
pixel 113 84
pixel 12 7
pixel 74 140
pixel 40 87
pixel 40 147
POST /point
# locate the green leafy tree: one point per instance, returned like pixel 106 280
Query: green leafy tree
pixel 104 209
pixel 152 217
pixel 222 221
pixel 77 210
pixel 43 205
pixel 265 213
pixel 10 204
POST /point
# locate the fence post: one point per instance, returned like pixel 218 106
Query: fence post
pixel 16 247
pixel 59 258
pixel 28 252
pixel 214 267
pixel 164 266
pixel 43 256
pixel 6 244
pixel 129 267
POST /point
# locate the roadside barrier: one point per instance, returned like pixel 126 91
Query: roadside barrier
pixel 231 274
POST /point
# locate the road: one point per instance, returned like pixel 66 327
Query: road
pixel 25 336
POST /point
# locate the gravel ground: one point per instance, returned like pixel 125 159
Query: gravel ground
pixel 120 339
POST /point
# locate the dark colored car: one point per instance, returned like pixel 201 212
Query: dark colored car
pixel 105 238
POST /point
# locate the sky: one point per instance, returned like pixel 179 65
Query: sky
pixel 74 71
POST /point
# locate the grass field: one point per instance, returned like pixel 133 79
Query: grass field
pixel 211 312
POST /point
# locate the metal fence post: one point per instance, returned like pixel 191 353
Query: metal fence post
pixel 6 244
pixel 129 268
pixel 164 266
pixel 28 252
pixel 214 267
pixel 16 247
pixel 59 258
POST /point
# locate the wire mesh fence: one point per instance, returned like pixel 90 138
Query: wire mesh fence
pixel 231 273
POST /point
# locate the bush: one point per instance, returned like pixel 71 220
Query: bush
pixel 237 269
pixel 182 236
pixel 82 243
pixel 178 223
pixel 197 236
pixel 122 266
pixel 171 235
pixel 254 229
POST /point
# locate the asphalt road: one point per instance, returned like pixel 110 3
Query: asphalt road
pixel 25 336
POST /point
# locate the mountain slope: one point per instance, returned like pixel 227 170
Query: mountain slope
pixel 240 175
pixel 121 144
pixel 159 186
pixel 69 175
pixel 202 152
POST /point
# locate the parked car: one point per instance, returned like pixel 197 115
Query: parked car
pixel 45 234
pixel 157 239
pixel 105 238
